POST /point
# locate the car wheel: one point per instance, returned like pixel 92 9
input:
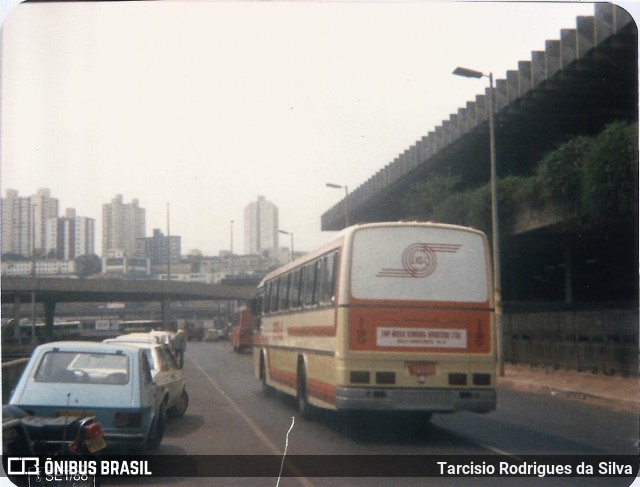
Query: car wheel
pixel 180 406
pixel 157 431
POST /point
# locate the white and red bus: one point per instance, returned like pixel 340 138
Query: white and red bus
pixel 388 316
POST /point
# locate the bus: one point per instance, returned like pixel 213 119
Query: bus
pixel 394 317
pixel 63 330
pixel 242 329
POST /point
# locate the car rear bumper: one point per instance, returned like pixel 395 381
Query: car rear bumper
pixel 124 441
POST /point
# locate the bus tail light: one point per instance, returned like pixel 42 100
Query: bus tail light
pixel 457 379
pixel 385 377
pixel 481 379
pixel 360 377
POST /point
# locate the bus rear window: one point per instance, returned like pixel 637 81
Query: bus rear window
pixel 419 264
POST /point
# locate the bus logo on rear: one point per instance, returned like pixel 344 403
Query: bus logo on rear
pixel 419 260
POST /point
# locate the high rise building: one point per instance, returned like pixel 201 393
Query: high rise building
pixel 16 224
pixel 159 248
pixel 44 207
pixel 70 236
pixel 24 222
pixel 122 225
pixel 261 227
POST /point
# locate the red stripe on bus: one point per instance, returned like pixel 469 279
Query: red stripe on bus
pixel 312 331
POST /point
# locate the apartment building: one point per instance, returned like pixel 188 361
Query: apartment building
pixel 261 227
pixel 122 225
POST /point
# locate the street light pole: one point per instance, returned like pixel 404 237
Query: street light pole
pixel 168 245
pixel 346 200
pixel 497 285
pixel 291 236
pixel 231 254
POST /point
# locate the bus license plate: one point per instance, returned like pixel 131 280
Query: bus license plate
pixel 422 368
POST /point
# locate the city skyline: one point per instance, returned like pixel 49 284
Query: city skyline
pixel 186 120
pixel 133 248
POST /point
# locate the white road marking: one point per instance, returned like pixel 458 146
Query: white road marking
pixel 254 427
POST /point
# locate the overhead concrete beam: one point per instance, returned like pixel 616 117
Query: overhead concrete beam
pixel 568 46
pixel 524 77
pixel 553 63
pixel 531 77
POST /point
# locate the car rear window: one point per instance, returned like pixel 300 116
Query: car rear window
pixel 83 367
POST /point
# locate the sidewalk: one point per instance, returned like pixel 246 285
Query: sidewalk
pixel 611 391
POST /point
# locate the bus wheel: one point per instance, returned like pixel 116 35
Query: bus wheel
pixel 267 390
pixel 304 408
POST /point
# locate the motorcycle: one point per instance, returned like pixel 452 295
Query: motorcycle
pixel 39 436
pixel 31 437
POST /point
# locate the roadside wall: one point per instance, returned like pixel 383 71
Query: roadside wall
pixel 603 341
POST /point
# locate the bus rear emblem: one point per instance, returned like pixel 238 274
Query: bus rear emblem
pixel 419 260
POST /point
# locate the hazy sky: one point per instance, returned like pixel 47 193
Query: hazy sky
pixel 206 105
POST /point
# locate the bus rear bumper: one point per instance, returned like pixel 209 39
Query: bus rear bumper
pixel 428 400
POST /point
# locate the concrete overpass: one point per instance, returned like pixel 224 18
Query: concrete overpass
pixel 580 83
pixel 576 86
pixel 50 291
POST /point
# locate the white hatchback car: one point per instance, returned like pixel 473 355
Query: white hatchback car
pixel 164 369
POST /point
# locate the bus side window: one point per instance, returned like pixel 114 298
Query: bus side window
pixel 274 294
pixel 301 286
pixel 317 284
pixel 310 284
pixel 267 299
pixel 328 278
pixel 284 292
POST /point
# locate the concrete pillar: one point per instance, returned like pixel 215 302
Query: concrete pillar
pixel 165 312
pixel 17 317
pixel 49 318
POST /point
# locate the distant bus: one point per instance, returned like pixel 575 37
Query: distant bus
pixel 242 329
pixel 61 330
pixel 388 317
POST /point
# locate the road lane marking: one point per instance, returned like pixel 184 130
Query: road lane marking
pixel 499 451
pixel 254 427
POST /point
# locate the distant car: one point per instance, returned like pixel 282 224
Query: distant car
pixel 211 335
pixel 164 370
pixel 163 336
pixel 111 381
pixel 194 331
pixel 137 337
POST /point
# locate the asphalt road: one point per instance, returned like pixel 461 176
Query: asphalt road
pixel 229 415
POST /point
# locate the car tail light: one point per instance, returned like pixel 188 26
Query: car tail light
pixel 128 420
pixel 93 430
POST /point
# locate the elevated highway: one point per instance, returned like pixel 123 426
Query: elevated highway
pixel 576 86
pixel 17 291
pixel 580 83
pixel 114 290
